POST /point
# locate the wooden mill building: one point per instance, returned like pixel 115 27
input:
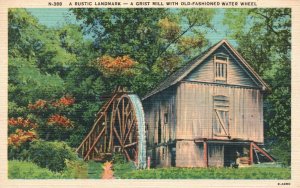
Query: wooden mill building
pixel 206 112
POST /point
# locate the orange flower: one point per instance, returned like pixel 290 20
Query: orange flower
pixel 64 101
pixel 60 121
pixel 21 137
pixel 118 65
pixel 21 122
pixel 39 104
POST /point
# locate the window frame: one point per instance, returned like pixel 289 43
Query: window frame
pixel 220 68
pixel 221 104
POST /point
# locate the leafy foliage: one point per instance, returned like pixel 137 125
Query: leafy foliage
pixel 51 155
pixel 157 39
pixel 29 170
pixel 94 169
pixel 76 169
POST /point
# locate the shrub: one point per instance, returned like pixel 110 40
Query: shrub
pixel 282 152
pixel 118 158
pixel 123 168
pixel 51 155
pixel 29 170
pixel 18 153
pixel 76 169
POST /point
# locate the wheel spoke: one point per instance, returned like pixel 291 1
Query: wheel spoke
pixel 127 155
pixel 118 137
pixel 129 130
pixel 129 145
pixel 119 121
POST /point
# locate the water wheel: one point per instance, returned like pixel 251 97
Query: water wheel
pixel 119 128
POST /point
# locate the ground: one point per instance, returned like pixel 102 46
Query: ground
pixel 23 170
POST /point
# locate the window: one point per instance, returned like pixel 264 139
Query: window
pixel 220 64
pixel 221 116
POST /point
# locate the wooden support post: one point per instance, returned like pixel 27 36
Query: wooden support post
pixel 105 132
pixel 148 163
pixel 263 152
pixel 251 154
pixel 205 154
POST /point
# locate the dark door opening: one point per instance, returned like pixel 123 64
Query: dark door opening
pixel 172 149
pixel 230 154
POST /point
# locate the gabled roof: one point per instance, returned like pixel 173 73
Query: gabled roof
pixel 186 69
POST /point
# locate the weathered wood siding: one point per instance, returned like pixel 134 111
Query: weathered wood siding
pixel 236 74
pixel 195 111
pixel 189 154
pixel 155 109
pixel 215 155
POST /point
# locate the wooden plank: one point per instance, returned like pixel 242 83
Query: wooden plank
pixel 120 122
pixel 127 155
pixel 129 130
pixel 112 120
pixel 106 105
pixel 95 142
pixel 123 117
pixel 105 133
pixel 262 151
pixel 118 137
pixel 129 145
pixel 96 150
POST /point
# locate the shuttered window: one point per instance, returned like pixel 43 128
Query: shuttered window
pixel 220 68
pixel 221 116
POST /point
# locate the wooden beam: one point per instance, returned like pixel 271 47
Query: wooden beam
pixel 105 132
pixel 132 144
pixel 262 151
pixel 96 150
pixel 95 142
pixel 123 116
pixel 127 155
pixel 205 154
pixel 104 108
pixel 251 154
pixel 120 122
pixel 112 119
pixel 118 137
pixel 129 130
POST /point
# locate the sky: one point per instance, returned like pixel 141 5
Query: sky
pixel 56 17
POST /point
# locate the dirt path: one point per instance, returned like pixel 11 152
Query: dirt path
pixel 108 173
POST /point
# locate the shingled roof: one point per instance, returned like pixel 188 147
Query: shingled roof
pixel 186 69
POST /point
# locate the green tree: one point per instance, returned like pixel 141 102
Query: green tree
pixel 159 40
pixel 47 63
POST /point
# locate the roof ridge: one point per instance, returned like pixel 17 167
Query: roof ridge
pixel 178 75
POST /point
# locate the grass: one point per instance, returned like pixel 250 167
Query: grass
pixel 29 170
pixel 123 168
pixel 94 170
pixel 209 173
